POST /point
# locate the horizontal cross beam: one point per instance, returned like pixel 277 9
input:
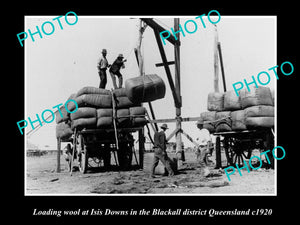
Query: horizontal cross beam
pixel 162 64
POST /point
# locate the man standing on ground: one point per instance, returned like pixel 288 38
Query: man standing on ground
pixel 160 152
pixel 115 70
pixel 203 149
pixel 102 67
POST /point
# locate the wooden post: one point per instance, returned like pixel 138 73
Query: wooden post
pixel 216 62
pixel 58 155
pixel 141 147
pixel 218 153
pixel 179 151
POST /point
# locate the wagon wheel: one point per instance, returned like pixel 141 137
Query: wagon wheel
pixel 235 153
pixel 82 155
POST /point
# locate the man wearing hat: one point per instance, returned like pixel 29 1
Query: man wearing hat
pixel 160 152
pixel 115 70
pixel 102 67
pixel 203 150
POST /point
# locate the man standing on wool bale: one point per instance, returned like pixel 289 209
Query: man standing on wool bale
pixel 203 150
pixel 102 67
pixel 115 70
pixel 160 152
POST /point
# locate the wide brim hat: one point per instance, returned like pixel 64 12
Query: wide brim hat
pixel 164 126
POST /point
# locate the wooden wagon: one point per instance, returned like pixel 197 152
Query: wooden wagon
pixel 238 145
pixel 93 147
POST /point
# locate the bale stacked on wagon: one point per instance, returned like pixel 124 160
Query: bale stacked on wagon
pixel 249 110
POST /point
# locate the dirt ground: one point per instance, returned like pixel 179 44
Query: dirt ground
pixel 41 178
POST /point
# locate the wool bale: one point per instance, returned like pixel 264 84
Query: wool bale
pixel 92 90
pixel 104 113
pixel 231 101
pixel 120 92
pixel 91 100
pixel 140 112
pixel 257 122
pixel 205 118
pixel 260 111
pixel 215 101
pixel 123 118
pixel 273 96
pixel 105 122
pixel 84 112
pixel 145 88
pixel 238 120
pixel 65 115
pixel 208 116
pixel 63 130
pixel 84 123
pixel 124 102
pixel 223 125
pixel 256 96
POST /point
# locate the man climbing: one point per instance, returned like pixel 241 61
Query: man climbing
pixel 160 152
pixel 203 150
pixel 102 67
pixel 115 70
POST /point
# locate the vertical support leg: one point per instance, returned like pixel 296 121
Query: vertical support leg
pixel 218 153
pixel 141 147
pixel 58 155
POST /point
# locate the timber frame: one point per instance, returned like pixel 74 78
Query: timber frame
pixel 175 88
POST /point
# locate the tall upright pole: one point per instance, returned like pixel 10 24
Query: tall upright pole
pixel 216 62
pixel 141 136
pixel 179 150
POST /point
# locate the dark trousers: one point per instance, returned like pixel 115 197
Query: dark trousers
pixel 161 155
pixel 103 78
pixel 202 153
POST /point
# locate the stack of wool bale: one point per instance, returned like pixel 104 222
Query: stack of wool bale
pixel 95 111
pixel 249 110
pixel 95 106
pixel 63 123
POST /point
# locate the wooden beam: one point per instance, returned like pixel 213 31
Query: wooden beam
pixel 162 64
pixel 172 134
pixel 187 119
pixel 155 26
pixel 190 138
pixel 222 66
pixel 167 69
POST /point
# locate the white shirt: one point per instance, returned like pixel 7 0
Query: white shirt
pixel 204 137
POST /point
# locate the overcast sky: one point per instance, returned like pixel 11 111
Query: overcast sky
pixel 62 63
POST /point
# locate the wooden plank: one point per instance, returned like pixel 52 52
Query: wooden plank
pixel 155 26
pixel 162 121
pixel 167 69
pixel 190 138
pixel 172 134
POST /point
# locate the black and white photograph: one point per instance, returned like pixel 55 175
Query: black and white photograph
pixel 154 115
